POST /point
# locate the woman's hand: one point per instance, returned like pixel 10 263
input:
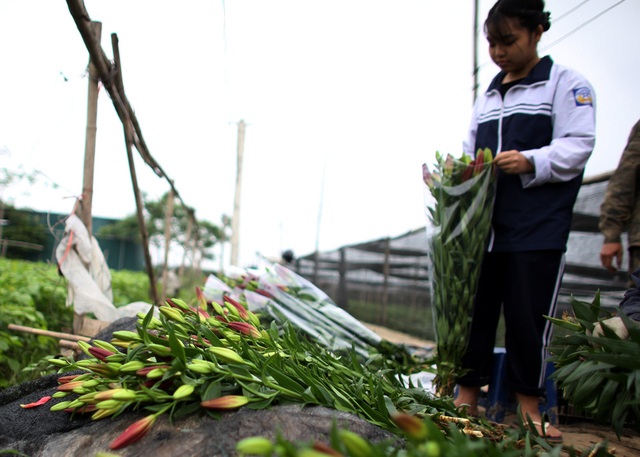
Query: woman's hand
pixel 513 162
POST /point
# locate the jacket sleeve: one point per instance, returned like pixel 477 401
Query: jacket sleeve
pixel 574 133
pixel 620 198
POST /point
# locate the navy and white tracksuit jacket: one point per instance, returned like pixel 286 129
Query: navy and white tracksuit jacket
pixel 549 117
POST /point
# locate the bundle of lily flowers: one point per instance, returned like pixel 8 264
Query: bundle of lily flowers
pixel 460 222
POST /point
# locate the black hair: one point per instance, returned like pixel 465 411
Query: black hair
pixel 530 13
pixel 288 256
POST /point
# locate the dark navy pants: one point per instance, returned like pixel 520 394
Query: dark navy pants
pixel 525 286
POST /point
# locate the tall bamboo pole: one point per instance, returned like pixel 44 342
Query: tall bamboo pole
pixel 86 202
pixel 90 138
pixel 235 222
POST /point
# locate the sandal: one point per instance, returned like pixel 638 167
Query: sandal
pixel 543 427
pixel 464 409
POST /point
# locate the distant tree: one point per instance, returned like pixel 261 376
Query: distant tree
pixel 204 234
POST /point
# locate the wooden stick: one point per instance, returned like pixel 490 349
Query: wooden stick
pixel 39 331
pixel 69 345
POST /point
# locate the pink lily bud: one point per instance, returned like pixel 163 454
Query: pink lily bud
pixel 145 371
pixel 245 328
pixel 426 176
pixel 67 378
pixel 69 386
pixel 99 353
pixel 448 165
pixel 241 309
pixel 202 300
pixel 225 402
pixel 134 432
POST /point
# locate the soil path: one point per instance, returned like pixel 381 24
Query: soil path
pixel 579 435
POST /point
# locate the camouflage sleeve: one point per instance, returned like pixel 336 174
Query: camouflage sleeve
pixel 617 208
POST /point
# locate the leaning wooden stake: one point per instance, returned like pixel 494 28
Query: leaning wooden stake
pixel 39 331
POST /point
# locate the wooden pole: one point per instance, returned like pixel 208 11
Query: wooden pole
pixel 128 137
pixel 90 138
pixel 475 49
pixel 167 242
pixel 343 298
pixel 38 331
pixel 235 222
pixel 86 201
pixel 385 285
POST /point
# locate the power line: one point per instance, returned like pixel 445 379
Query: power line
pixel 562 16
pixel 585 23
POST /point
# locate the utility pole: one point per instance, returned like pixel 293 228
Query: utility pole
pixel 475 49
pixel 235 221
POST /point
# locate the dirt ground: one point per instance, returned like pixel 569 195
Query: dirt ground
pixel 579 435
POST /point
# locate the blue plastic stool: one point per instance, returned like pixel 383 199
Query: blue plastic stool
pixel 497 400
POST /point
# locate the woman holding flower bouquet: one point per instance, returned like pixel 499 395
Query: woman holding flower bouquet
pixel 539 119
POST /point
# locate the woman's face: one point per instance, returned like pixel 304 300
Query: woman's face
pixel 513 48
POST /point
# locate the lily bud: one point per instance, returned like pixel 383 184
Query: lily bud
pixel 101 413
pixel 325 449
pixel 116 394
pixel 134 432
pixel 245 328
pixel 173 314
pixel 355 444
pixel 105 345
pixel 126 335
pixel 242 311
pixel 183 391
pixel 108 404
pixel 69 386
pixel 202 300
pixel 226 355
pixel 145 371
pixel 133 365
pixel 225 402
pixel 411 425
pixel 255 445
pixel 177 303
pixel 60 406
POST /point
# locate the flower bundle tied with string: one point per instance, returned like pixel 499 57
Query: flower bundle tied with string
pixel 459 212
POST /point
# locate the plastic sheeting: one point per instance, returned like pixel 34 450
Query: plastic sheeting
pixel 82 263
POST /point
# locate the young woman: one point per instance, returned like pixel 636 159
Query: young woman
pixel 539 120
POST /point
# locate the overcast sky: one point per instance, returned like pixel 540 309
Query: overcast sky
pixel 344 101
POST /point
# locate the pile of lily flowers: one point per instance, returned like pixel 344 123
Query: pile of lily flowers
pixel 163 363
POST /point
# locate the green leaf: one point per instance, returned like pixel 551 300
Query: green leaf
pixel 212 390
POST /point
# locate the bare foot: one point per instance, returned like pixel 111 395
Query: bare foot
pixel 529 410
pixel 468 398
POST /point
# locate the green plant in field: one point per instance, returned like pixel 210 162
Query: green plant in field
pixel 129 287
pixel 26 290
pixel 34 295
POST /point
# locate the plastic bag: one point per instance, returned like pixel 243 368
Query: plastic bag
pixel 459 203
